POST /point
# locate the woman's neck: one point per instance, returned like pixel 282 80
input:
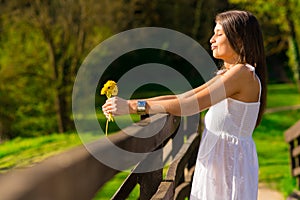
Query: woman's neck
pixel 228 65
pixel 231 61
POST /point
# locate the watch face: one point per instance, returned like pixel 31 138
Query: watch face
pixel 141 103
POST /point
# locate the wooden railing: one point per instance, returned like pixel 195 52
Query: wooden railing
pixel 292 137
pixel 76 174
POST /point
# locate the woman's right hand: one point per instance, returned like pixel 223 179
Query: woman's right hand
pixel 116 106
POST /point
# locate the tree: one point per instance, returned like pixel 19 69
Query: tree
pixel 44 42
pixel 24 91
pixel 65 27
pixel 280 24
pixel 293 11
pixel 43 45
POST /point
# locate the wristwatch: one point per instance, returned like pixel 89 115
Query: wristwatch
pixel 141 107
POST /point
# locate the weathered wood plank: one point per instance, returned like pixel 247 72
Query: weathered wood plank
pixel 293 132
pixel 176 168
pixel 296 151
pixel 147 135
pixel 165 191
pixel 71 175
pixel 296 171
pixel 150 180
pixel 189 174
pixel 149 183
pixel 76 174
pixel 182 191
pixel 177 174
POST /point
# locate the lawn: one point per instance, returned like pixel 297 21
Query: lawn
pixel 25 152
pixel 282 95
pixel 273 152
pixel 271 148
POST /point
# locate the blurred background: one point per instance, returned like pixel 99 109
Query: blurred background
pixel 43 43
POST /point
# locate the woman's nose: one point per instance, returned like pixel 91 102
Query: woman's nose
pixel 212 39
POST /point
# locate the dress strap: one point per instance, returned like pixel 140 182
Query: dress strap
pixel 259 87
pixel 252 69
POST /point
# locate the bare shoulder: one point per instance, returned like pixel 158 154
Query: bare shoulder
pixel 238 71
pixel 240 78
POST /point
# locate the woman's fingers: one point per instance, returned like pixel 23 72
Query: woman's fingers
pixel 115 106
pixel 106 108
pixel 110 107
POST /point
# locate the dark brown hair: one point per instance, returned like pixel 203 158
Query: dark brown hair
pixel 245 37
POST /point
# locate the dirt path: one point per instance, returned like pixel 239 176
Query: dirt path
pixel 265 193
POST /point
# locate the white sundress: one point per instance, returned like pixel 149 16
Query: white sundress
pixel 227 164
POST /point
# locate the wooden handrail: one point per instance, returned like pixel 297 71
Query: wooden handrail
pixel 293 132
pixel 292 137
pixel 177 183
pixel 76 174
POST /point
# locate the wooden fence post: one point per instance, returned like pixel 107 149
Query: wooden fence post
pixel 149 181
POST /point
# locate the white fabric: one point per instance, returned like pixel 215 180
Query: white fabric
pixel 227 165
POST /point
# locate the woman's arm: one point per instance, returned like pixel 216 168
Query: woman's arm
pixel 183 95
pixel 159 98
pixel 189 103
pixel 198 89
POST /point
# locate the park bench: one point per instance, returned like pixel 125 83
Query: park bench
pixel 76 174
pixel 292 137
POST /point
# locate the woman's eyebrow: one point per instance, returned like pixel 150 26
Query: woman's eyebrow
pixel 217 30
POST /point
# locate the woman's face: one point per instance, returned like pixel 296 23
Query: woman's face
pixel 221 47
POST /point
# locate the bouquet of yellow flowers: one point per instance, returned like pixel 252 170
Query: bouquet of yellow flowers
pixel 109 89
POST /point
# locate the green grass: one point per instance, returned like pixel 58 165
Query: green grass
pixel 109 189
pixel 24 152
pixel 273 151
pixel 282 95
pixel 271 147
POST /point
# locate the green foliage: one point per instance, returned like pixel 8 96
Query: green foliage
pixel 43 43
pixel 42 46
pixel 24 83
pixel 293 55
pixel 281 28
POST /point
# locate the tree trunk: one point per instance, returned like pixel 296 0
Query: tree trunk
pixel 64 122
pixel 59 98
pixel 293 45
pixel 59 117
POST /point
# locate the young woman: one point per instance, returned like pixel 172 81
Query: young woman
pixel 227 166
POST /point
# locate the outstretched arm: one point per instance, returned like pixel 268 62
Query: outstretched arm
pixel 183 95
pixel 189 103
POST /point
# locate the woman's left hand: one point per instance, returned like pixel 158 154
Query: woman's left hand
pixel 115 106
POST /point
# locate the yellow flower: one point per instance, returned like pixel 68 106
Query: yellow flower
pixel 109 89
